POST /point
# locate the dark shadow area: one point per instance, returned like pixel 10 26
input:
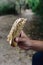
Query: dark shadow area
pixel 8 10
pixel 39 8
pixel 36 28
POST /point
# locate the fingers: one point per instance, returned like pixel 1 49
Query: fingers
pixel 21 42
pixel 25 48
pixel 18 39
pixel 21 37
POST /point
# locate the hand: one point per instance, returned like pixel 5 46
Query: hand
pixel 23 41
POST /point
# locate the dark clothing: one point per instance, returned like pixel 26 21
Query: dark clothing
pixel 37 58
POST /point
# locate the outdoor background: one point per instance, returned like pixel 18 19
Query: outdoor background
pixel 10 10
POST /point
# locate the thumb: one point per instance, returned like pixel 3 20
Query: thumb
pixel 22 34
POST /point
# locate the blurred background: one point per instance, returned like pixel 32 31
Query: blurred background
pixel 21 7
pixel 12 6
pixel 10 10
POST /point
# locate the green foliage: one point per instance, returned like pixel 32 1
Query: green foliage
pixel 36 6
pixel 11 6
pixel 39 9
pixel 17 5
pixel 7 7
pixel 33 4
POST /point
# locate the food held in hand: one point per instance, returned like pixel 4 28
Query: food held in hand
pixel 15 30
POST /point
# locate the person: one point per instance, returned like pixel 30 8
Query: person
pixel 26 43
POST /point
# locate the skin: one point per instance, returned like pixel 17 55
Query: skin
pixel 26 43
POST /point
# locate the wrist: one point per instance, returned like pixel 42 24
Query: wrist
pixel 30 44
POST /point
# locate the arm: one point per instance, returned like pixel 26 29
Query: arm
pixel 37 45
pixel 26 43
